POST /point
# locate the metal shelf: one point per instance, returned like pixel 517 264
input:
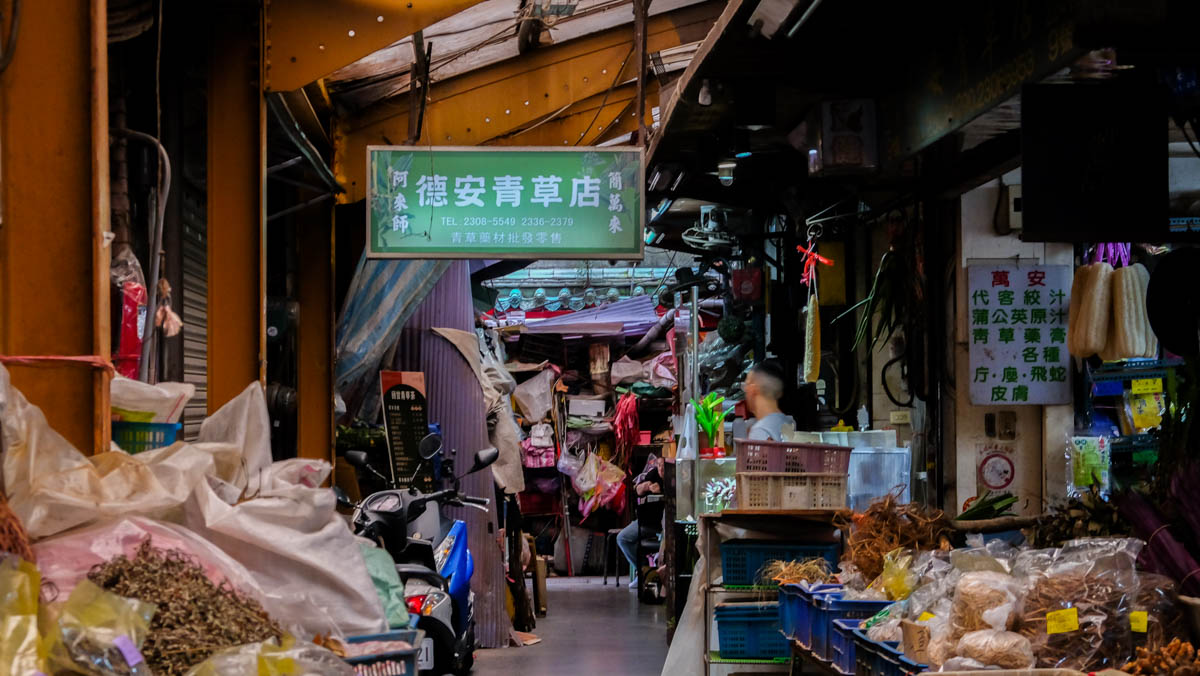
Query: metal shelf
pixel 721 667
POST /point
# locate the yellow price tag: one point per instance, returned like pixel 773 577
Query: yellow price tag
pixel 926 616
pixel 1138 621
pixel 1062 621
pixel 1147 386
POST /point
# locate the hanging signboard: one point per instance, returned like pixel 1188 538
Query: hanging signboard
pixel 1017 328
pixel 505 202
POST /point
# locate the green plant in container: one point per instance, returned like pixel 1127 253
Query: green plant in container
pixel 710 415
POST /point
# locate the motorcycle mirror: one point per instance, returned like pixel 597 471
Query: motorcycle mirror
pixel 342 498
pixel 430 446
pixel 483 458
pixel 357 458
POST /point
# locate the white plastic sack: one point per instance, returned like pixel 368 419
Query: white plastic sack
pixel 135 401
pixel 626 370
pixel 535 396
pixel 291 539
pixel 53 487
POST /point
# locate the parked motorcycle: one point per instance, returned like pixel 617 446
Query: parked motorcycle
pixel 431 555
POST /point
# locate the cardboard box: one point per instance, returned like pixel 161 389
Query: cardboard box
pixel 916 641
pixel 593 407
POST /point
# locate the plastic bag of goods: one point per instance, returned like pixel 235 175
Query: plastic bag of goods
pixel 99 634
pixel 20 644
pixel 269 658
pixel 1075 611
pixel 985 600
pixel 997 648
pixel 135 401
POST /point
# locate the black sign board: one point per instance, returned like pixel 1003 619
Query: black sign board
pixel 406 420
pixel 1094 162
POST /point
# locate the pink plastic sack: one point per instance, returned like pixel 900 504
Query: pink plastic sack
pixel 66 559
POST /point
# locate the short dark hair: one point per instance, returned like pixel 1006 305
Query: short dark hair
pixel 769 376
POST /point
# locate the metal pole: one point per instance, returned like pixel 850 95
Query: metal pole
pixel 694 332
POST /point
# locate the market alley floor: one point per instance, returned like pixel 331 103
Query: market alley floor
pixel 589 629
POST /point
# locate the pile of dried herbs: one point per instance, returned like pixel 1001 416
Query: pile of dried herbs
pixel 886 526
pixel 1085 515
pixel 195 617
pixel 812 570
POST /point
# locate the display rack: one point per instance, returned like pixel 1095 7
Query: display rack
pixel 812 525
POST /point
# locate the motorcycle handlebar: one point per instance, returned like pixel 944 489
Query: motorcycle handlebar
pixel 484 502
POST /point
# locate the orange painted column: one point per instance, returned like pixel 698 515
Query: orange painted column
pixel 315 340
pixel 236 220
pixel 54 212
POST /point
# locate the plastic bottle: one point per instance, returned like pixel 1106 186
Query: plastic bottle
pixel 864 419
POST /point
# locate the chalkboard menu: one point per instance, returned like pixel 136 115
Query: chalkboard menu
pixel 406 420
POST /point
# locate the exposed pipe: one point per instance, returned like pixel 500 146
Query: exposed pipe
pixel 164 190
pixel 666 320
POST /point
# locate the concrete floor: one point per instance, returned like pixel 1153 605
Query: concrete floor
pixel 589 629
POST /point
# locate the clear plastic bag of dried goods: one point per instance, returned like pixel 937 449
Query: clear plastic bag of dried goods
pixel 997 648
pixel 985 600
pixel 1076 609
pixel 99 634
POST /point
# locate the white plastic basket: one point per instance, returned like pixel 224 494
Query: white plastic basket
pixel 790 490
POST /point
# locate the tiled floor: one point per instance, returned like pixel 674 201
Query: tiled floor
pixel 590 630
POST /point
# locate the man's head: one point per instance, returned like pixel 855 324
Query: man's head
pixel 764 385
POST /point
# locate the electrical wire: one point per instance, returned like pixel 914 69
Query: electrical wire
pixel 1183 128
pixel 607 94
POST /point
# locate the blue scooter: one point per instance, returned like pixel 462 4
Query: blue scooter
pixel 432 557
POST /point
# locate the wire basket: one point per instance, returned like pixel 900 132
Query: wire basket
pixel 791 490
pixel 780 456
pixel 393 663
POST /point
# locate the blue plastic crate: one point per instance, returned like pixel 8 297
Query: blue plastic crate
pixel 741 560
pixel 830 607
pixel 750 631
pixel 395 663
pixel 795 609
pixel 135 437
pixel 873 658
pixel 841 645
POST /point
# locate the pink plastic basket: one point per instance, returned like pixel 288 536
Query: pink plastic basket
pixel 780 456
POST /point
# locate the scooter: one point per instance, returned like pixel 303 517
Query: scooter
pixel 431 555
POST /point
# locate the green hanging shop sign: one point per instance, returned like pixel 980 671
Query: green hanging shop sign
pixel 505 202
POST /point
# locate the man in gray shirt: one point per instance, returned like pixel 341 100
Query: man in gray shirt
pixel 764 387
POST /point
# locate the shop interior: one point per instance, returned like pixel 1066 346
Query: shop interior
pixel 873 369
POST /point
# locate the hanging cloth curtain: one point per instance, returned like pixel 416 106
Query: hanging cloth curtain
pixel 383 296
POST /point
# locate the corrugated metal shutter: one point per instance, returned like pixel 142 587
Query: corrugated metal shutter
pixel 195 305
pixel 456 401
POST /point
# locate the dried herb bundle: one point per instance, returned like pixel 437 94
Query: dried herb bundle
pixel 886 526
pixel 809 570
pixel 13 538
pixel 1083 516
pixel 1103 638
pixel 195 617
